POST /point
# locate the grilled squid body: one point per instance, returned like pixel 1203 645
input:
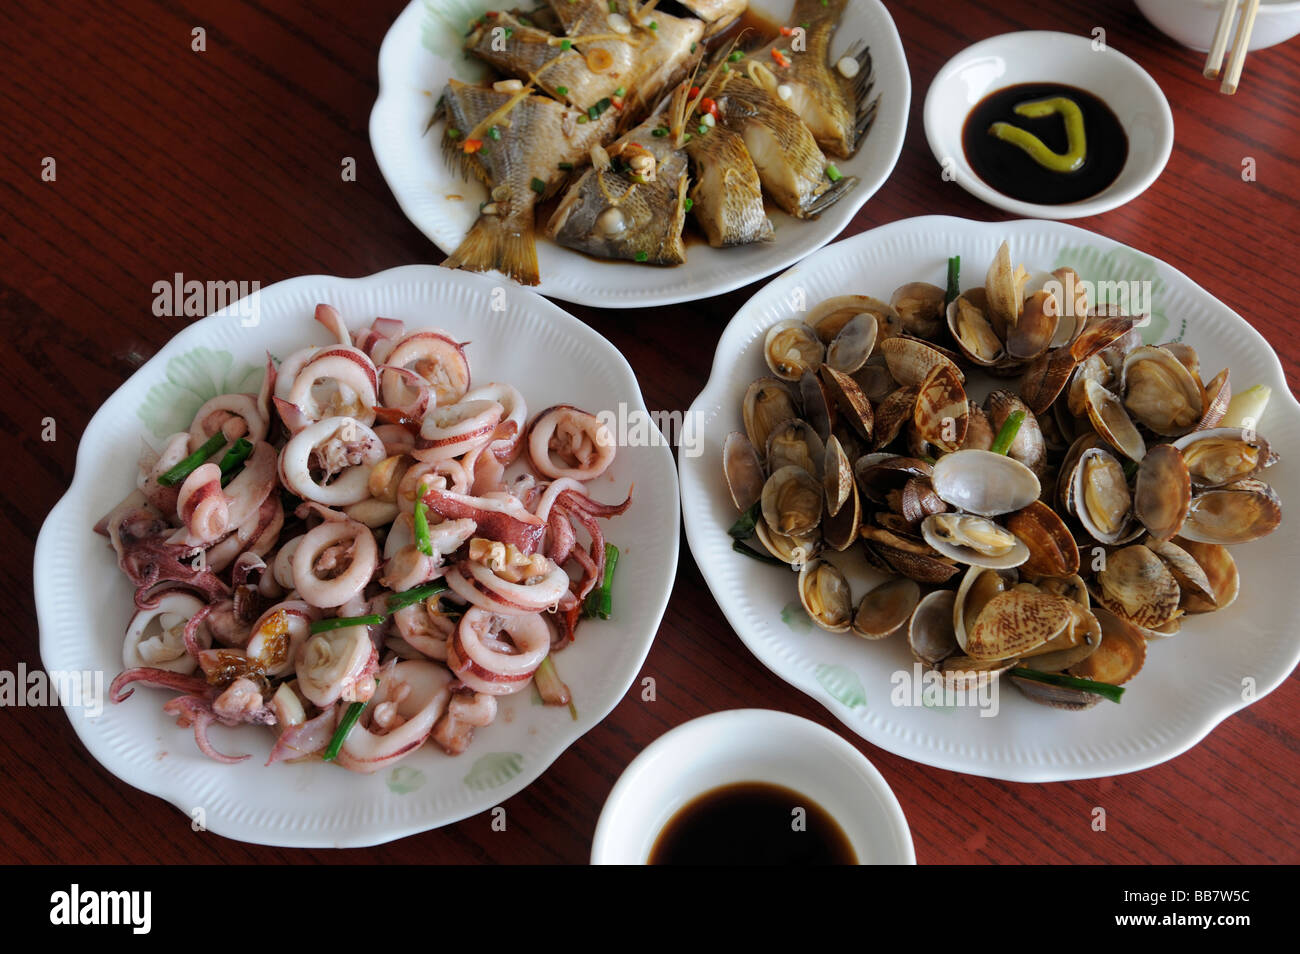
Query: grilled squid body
pixel 155 638
pixel 410 699
pixel 337 664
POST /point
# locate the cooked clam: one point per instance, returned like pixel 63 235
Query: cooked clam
pixel 791 348
pixel 1028 447
pixel 816 404
pixel 1235 513
pixel 830 316
pixel 1099 496
pixel 920 307
pixel 796 443
pixel 910 360
pixel 1160 393
pixel 970 327
pixel 886 609
pixel 1052 550
pixel 1109 419
pixel 825 595
pixel 1137 586
pixel 984 483
pixel 837 475
pixel 1223 455
pixel 1033 333
pixel 767 403
pixel 852 404
pixel 792 501
pixel 794 550
pixel 742 470
pixel 1005 287
pixel 1221 571
pixel 1163 492
pixel 850 349
pixel 941 413
pixel 973 540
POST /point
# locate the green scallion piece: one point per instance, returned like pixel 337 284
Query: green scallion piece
pixel 694 47
pixel 688 204
pixel 509 33
pixel 599 603
pixel 453 133
pixel 422 541
pixel 551 687
pixel 562 90
pixel 659 131
pixel 582 119
pixel 702 129
pixel 620 91
pixel 538 186
pixel 566 45
pixel 726 67
pixel 345 729
pixel 566 166
pixel 954 280
pixel 613 6
pixel 642 256
pixel 343 622
pixel 415 595
pixel 1010 428
pixel 833 173
pixel 189 464
pixel 494 134
pixel 736 57
pixel 230 463
pixel 754 554
pixel 743 528
pixel 1103 689
pixel 654 25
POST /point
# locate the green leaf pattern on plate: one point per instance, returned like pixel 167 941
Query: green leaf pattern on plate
pixel 1123 265
pixel 494 770
pixel 405 779
pixel 843 684
pixel 796 617
pixel 193 378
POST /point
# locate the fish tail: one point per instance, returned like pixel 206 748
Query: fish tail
pixel 494 244
pixel 828 198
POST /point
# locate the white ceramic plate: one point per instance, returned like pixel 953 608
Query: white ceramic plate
pixel 751 745
pixel 84 601
pixel 1047 57
pixel 423 50
pixel 1218 664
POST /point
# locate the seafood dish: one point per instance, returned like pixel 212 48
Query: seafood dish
pixel 365 555
pixel 615 128
pixel 1049 532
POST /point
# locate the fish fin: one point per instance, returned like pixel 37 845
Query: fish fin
pixel 492 245
pixel 828 198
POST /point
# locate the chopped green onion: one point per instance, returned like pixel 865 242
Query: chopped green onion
pixel 453 133
pixel 595 111
pixel 833 173
pixel 702 129
pixel 1103 689
pixel 1010 428
pixel 538 186
pixel 687 137
pixel 743 528
pixel 562 90
pixel 552 688
pixel 754 554
pixel 954 280
pixel 613 6
pixel 422 541
pixel 659 131
pixel 654 25
pixel 418 594
pixel 726 68
pixel 1130 468
pixel 688 204
pixel 566 166
pixel 182 470
pixel 599 603
pixel 694 47
pixel 230 463
pixel 582 119
pixel 509 33
pixel 343 622
pixel 620 91
pixel 736 57
pixel 345 729
pixel 566 45
pixel 642 256
pixel 494 134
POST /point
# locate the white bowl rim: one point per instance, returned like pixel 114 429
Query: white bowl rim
pixel 748 720
pixel 1104 201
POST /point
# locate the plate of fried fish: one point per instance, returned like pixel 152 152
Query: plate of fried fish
pixel 630 153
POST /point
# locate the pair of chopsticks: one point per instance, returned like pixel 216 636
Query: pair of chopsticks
pixel 1237 58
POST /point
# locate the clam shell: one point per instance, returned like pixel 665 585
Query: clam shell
pixel 969 539
pixel 850 349
pixel 1111 421
pixel 742 470
pixel 1099 496
pixel 1236 513
pixel 1223 455
pixel 1137 586
pixel 795 443
pixel 1033 333
pixel 767 403
pixel 1014 622
pixel 1045 378
pixel 791 348
pixel 971 329
pixel 984 483
pixel 850 401
pixel 1221 571
pixel 930 632
pixel 1160 393
pixel 941 416
pixel 1163 492
pixel 910 360
pixel 1052 550
pixel 825 595
pixel 886 609
pixel 894 412
pixel 920 307
pixel 792 501
pixel 837 479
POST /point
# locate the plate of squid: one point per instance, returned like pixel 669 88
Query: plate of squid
pixel 370 542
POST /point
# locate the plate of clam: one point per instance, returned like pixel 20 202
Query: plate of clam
pixel 1003 496
pixel 628 153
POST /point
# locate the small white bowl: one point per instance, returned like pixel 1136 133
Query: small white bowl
pixel 1048 57
pixel 1192 22
pixel 751 745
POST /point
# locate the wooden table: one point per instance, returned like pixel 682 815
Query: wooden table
pixel 225 164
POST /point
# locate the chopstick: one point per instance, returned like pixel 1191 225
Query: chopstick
pixel 1237 59
pixel 1219 45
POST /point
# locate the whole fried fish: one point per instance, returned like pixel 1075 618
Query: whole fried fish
pixel 522 163
pixel 837 109
pixel 793 170
pixel 530 53
pixel 727 196
pixel 717 14
pixel 632 206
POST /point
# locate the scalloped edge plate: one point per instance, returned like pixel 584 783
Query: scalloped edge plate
pixel 1191 682
pixel 83 601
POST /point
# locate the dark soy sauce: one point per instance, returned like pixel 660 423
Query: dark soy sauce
pixel 1011 171
pixel 752 823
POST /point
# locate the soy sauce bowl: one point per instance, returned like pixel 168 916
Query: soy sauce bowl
pixel 751 745
pixel 1042 56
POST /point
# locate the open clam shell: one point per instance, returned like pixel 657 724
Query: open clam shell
pixel 1111 421
pixel 1099 496
pixel 848 398
pixel 852 346
pixel 795 443
pixel 1137 586
pixel 973 540
pixel 971 329
pixel 1223 455
pixel 1162 493
pixel 767 403
pixel 1221 571
pixel 742 470
pixel 791 348
pixel 1052 549
pixel 1236 513
pixel 1045 378
pixel 941 414
pixel 1160 393
pixel 920 307
pixel 984 483
pixel 910 360
pixel 886 609
pixel 1033 333
pixel 792 501
pixel 825 596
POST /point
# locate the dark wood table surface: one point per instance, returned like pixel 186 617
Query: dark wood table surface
pixel 225 164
